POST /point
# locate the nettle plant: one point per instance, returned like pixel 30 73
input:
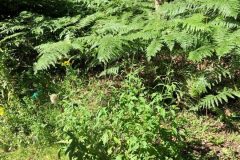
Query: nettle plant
pixel 136 127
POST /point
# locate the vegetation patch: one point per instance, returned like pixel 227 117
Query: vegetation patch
pixel 104 79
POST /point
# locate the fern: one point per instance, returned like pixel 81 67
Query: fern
pixel 201 53
pixel 195 23
pixel 224 23
pixel 110 71
pixel 15 35
pixel 191 27
pixel 213 101
pixel 228 8
pixel 186 40
pixel 106 32
pixel 109 47
pixel 88 20
pixel 175 9
pixel 197 86
pixel 50 53
pixel 154 47
pixel 218 74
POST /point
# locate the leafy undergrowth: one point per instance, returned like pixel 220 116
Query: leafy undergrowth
pixel 107 79
pixel 99 103
pixel 209 138
pixel 33 153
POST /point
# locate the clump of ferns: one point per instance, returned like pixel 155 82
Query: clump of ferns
pixel 211 91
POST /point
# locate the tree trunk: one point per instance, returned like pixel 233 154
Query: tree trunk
pixel 158 3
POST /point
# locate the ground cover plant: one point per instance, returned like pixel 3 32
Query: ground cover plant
pixel 123 79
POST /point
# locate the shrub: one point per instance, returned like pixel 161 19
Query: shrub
pixel 136 127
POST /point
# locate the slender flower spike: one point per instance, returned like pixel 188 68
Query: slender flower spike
pixel 53 98
pixel 1 111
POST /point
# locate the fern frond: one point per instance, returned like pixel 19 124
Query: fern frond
pixel 110 71
pixel 195 23
pixel 15 35
pixel 88 20
pixel 154 47
pixel 174 9
pixel 228 8
pixel 169 39
pixel 217 75
pixel 11 29
pixel 50 53
pixel 213 101
pixel 200 53
pixel 224 23
pixel 197 86
pixel 226 42
pixel 186 40
pixel 110 47
pixel 224 48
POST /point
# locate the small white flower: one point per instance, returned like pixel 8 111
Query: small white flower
pixel 53 98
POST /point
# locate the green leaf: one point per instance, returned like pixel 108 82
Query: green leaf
pixel 105 138
pixel 201 53
pixel 109 48
pixel 119 157
pixel 116 140
pixel 154 47
pixel 50 53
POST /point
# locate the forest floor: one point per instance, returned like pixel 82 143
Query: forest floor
pixel 208 138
